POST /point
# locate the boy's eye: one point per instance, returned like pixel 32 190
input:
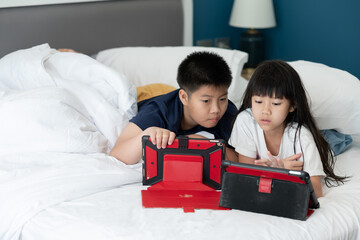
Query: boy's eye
pixel 205 101
pixel 223 99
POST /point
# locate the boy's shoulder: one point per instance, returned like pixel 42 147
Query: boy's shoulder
pixel 163 111
pixel 165 99
pixel 232 109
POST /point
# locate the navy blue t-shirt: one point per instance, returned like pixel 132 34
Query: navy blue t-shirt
pixel 166 111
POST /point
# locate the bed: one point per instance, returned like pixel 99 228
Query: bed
pixel 61 113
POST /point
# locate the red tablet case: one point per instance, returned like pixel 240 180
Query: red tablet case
pixel 184 175
pixel 274 191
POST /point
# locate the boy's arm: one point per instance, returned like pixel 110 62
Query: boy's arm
pixel 128 147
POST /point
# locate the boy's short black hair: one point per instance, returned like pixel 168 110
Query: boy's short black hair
pixel 203 68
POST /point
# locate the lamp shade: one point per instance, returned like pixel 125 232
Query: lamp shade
pixel 253 14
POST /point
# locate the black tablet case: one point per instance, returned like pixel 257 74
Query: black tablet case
pixel 267 190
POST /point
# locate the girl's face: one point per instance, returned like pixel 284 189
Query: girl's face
pixel 270 112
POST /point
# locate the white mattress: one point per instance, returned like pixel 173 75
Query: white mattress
pixel 118 214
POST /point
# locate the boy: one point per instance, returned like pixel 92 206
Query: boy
pixel 200 105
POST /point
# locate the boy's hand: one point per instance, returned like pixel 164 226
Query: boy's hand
pixel 67 50
pixel 288 163
pixel 160 137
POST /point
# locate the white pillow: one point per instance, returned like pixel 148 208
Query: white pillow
pixel 334 96
pixel 146 65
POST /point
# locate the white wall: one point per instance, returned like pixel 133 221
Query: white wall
pixel 188 22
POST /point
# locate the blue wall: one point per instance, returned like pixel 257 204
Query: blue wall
pixel 325 31
pixel 211 20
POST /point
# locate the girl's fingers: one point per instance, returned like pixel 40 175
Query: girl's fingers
pixel 261 164
pixel 293 157
pixel 280 163
pixel 297 164
pixel 275 162
pixel 264 162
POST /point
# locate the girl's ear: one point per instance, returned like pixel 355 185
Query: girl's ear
pixel 292 108
pixel 184 97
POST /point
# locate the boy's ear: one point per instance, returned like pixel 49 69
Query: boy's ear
pixel 184 97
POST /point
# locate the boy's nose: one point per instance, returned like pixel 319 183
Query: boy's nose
pixel 215 108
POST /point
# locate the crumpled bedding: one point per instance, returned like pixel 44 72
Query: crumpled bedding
pixel 61 113
pixel 45 90
pixel 33 182
pixel 117 213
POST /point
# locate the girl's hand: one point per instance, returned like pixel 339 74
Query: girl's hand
pixel 271 162
pixel 292 164
pixel 288 163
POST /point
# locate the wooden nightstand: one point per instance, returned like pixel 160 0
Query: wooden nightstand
pixel 247 72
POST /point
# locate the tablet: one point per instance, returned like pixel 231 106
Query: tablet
pixel 268 190
pixel 186 160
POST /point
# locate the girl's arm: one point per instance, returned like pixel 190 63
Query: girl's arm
pixel 315 181
pixel 244 159
pixel 231 155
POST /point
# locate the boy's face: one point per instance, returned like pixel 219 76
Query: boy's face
pixel 204 107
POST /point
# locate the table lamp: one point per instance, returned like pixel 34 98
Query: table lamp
pixel 253 14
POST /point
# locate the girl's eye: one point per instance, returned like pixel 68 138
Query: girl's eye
pixel 223 99
pixel 258 101
pixel 277 103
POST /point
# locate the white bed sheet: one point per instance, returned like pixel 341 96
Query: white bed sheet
pixel 118 214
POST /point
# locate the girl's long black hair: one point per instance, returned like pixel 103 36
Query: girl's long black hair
pixel 279 78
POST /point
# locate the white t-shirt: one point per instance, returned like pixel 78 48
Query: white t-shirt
pixel 247 138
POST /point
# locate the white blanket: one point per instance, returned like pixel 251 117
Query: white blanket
pixel 60 114
pixel 48 94
pixel 118 214
pixel 33 182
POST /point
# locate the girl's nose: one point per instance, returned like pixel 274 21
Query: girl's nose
pixel 266 109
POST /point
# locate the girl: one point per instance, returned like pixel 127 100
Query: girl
pixel 274 126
